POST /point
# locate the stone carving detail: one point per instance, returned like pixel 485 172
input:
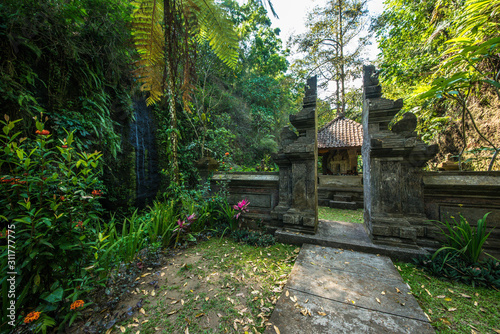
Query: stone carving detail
pixel 297 159
pixel 392 161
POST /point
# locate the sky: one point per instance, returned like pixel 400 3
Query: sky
pixel 292 16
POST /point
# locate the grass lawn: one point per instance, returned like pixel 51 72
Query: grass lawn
pixel 217 286
pixel 453 307
pixel 351 216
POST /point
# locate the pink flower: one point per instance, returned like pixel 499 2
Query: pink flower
pixel 191 217
pixel 181 223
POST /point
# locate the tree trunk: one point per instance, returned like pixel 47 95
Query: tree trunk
pixel 341 46
pixel 169 17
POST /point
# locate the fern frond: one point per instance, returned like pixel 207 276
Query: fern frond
pixel 150 44
pixel 215 27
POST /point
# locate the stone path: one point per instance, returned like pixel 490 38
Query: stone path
pixel 344 291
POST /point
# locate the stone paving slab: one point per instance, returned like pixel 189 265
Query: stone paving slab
pixel 343 286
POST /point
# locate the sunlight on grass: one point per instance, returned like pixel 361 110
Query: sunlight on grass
pixel 351 216
pixel 224 287
pixel 453 307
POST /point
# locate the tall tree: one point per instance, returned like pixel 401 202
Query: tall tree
pixel 166 34
pixel 333 45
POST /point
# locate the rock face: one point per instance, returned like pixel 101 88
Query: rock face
pixel 297 160
pixel 392 161
pixel 142 138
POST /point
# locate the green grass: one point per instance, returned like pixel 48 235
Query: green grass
pixel 351 216
pixel 217 286
pixel 453 307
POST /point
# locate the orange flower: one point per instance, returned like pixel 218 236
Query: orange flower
pixel 76 304
pixel 32 316
pixel 64 146
pixel 227 153
pixel 43 132
pixel 96 193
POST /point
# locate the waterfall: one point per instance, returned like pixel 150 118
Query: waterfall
pixel 146 156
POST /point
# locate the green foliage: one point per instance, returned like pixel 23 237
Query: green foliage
pixel 442 58
pixel 446 264
pixel 50 193
pixel 253 238
pixel 463 240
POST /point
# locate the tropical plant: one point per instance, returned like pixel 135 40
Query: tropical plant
pixel 463 240
pixel 51 195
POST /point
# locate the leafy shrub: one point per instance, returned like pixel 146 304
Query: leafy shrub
pixel 50 198
pixel 445 264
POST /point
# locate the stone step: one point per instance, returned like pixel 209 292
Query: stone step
pixel 343 205
pixel 342 198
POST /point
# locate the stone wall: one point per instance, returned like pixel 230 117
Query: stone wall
pixel 261 189
pixel 470 193
pixel 340 191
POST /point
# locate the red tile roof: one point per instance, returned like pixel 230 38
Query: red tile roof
pixel 341 132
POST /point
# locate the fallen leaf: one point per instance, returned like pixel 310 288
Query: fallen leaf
pixel 142 311
pixel 145 321
pixel 182 301
pixel 153 293
pixel 321 313
pixel 448 299
pixel 186 331
pixel 452 309
pixel 173 312
pixel 199 315
pixel 430 311
pixel 397 290
pixel 445 321
pixel 293 299
pixel 276 329
pixel 286 293
pixel 496 330
pixel 122 329
pixel 475 303
pixel 162 274
pixel 378 300
pixel 441 296
pixel 382 293
pixel 430 294
pixel 464 295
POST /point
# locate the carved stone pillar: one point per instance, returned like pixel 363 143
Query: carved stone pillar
pixel 298 160
pixel 392 161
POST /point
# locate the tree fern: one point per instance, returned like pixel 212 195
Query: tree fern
pixel 150 44
pixel 207 22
